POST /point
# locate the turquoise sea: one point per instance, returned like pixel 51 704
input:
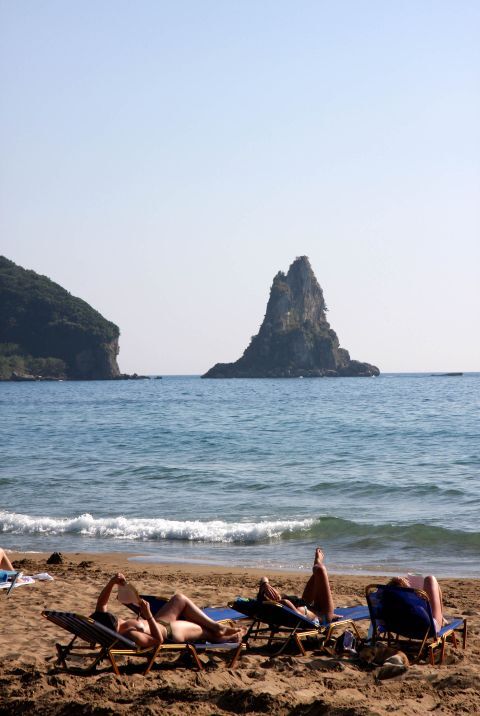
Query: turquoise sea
pixel 384 472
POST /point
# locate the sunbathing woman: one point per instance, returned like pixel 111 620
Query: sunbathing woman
pixel 317 599
pixel 179 620
pixel 432 589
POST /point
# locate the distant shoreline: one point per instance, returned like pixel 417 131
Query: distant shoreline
pixel 168 376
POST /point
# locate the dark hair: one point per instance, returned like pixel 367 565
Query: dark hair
pixel 106 619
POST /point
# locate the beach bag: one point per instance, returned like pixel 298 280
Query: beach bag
pixel 346 643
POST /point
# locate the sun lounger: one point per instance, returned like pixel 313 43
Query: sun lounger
pixel 104 643
pixel 98 641
pixel 277 622
pixel 403 615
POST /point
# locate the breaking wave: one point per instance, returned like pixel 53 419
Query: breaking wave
pixel 356 534
pixel 123 528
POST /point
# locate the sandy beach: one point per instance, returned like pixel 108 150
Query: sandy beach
pixel 288 684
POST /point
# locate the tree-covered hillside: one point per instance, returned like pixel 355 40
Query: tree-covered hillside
pixel 44 330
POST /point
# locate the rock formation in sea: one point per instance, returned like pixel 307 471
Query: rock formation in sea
pixel 295 338
pixel 45 332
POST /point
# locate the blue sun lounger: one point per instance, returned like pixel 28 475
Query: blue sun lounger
pixel 277 622
pixel 403 616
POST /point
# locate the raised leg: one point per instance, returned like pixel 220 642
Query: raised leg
pixel 4 561
pixel 432 588
pixel 317 590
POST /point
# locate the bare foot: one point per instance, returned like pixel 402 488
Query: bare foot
pixel 261 589
pixel 234 634
pixel 318 556
pixel 329 618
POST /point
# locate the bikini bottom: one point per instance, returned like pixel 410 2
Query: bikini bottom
pixel 168 627
pixel 320 621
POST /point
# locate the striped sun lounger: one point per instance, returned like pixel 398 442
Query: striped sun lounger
pixel 92 639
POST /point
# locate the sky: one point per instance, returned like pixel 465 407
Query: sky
pixel 164 160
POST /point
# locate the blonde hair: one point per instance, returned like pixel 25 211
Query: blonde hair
pixel 399 582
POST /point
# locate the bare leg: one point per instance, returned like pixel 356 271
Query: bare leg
pixel 188 631
pixel 4 561
pixel 181 608
pixel 309 591
pixel 432 588
pixel 317 590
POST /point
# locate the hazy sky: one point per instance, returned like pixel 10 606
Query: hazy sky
pixel 163 160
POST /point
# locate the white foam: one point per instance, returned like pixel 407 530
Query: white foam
pixel 151 529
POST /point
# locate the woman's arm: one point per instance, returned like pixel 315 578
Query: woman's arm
pixel 144 641
pixel 104 595
pixel 146 613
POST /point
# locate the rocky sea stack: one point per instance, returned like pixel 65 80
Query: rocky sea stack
pixel 46 333
pixel 295 338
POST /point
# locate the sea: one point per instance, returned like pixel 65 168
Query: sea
pixel 383 473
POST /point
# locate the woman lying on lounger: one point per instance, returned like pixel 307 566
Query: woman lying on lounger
pixel 179 620
pixel 317 599
pixel 432 589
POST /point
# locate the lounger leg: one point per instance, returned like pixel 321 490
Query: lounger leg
pixel 113 662
pixel 465 634
pixel 63 652
pixel 151 660
pixel 283 645
pixel 442 652
pixel 298 642
pixel 252 632
pixel 422 648
pixel 191 649
pixel 236 656
pixel 270 638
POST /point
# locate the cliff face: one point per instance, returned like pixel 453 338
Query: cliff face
pixel 47 332
pixel 295 338
pixel 99 361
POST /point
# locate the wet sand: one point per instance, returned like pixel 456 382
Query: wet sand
pixel 288 684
